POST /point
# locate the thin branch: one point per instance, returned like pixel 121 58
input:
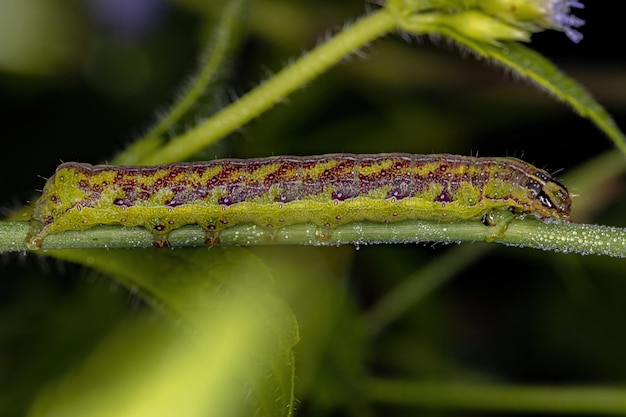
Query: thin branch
pixel 275 90
pixel 527 232
pixel 499 398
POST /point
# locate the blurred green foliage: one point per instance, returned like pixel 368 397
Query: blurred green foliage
pixel 77 84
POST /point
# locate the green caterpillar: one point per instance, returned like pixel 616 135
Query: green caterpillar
pixel 326 190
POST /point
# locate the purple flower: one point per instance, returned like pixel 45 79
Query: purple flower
pixel 537 15
pixel 560 13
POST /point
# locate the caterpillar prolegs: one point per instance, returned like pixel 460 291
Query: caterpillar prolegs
pixel 325 190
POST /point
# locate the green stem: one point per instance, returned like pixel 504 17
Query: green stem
pixel 499 398
pixel 528 232
pixel 217 53
pixel 276 89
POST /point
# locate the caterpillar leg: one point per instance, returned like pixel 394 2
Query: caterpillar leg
pixel 35 235
pixel 498 222
pixel 211 237
pixel 323 233
pixel 160 240
pixel 160 229
pixel 270 234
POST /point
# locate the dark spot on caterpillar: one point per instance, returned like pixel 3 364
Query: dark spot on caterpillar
pixel 224 221
pixel 269 225
pixel 344 190
pixel 338 217
pixel 211 227
pixel 54 198
pixel 338 195
pixel 174 202
pixel 444 197
pixel 119 202
pixel 398 193
pixel 544 199
pixel 159 227
pixel 488 220
pixel 170 222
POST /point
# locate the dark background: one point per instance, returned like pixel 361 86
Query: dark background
pixel 518 314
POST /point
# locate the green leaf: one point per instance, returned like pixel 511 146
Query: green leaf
pixel 332 361
pixel 534 67
pixel 228 351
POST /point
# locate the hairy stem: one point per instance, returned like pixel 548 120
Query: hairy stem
pixel 527 232
pixel 217 53
pixel 275 89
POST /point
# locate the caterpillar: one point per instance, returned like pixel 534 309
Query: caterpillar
pixel 325 190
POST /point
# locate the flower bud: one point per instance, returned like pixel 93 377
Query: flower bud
pixel 537 15
pixel 486 28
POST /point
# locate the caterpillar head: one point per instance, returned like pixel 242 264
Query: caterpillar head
pixel 550 197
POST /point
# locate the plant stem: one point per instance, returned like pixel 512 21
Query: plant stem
pixel 527 232
pixel 217 53
pixel 275 89
pixel 501 398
